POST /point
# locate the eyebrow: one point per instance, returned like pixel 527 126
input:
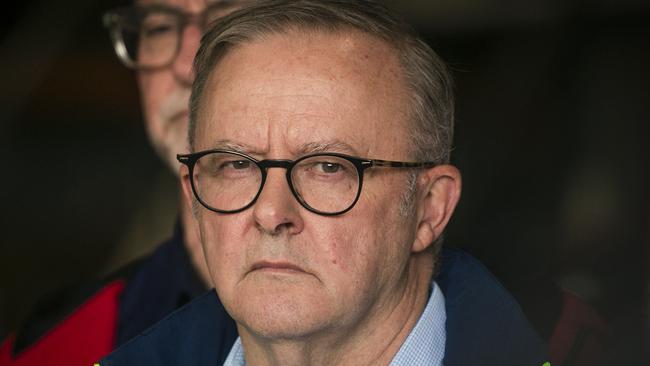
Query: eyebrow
pixel 326 146
pixel 304 149
pixel 235 146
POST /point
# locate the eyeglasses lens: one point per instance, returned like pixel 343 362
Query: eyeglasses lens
pixel 326 183
pixel 226 182
pixel 150 37
pixel 229 182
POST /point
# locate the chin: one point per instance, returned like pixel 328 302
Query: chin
pixel 282 314
pixel 286 325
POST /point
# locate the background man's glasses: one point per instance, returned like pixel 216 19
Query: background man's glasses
pixel 146 37
pixel 326 183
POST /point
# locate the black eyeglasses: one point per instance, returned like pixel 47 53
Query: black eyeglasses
pixel 147 37
pixel 325 183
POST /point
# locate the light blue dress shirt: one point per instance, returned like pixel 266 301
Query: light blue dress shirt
pixel 424 346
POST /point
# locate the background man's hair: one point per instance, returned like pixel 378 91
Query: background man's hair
pixel 427 77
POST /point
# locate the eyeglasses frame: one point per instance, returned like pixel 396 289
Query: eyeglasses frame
pixel 114 21
pixel 361 164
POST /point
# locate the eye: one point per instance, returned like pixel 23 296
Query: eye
pixel 236 164
pixel 221 165
pixel 328 167
pixel 236 168
pixel 157 25
pixel 157 30
pixel 324 169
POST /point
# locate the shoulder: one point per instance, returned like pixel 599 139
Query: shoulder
pixel 485 324
pixel 71 332
pixel 78 324
pixel 199 333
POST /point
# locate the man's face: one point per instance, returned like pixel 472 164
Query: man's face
pixel 165 91
pixel 280 270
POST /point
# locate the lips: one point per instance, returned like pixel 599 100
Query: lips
pixel 276 266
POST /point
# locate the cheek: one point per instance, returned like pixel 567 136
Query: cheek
pixel 348 246
pixel 153 88
pixel 147 90
pixel 371 241
pixel 225 240
pixel 339 254
pixel 355 265
pixel 219 253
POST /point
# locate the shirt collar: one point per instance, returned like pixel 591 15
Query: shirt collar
pixel 425 345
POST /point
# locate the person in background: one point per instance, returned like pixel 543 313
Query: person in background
pixel 158 39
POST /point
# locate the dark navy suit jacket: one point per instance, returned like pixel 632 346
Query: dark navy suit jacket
pixel 485 326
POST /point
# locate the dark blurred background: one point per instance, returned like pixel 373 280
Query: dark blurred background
pixel 552 138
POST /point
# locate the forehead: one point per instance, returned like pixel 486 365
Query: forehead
pixel 309 87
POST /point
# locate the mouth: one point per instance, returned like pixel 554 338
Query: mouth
pixel 276 267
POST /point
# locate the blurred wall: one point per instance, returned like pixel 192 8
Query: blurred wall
pixel 552 138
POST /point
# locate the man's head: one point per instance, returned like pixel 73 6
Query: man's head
pixel 430 86
pixel 159 38
pixel 299 258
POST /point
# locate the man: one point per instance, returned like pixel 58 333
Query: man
pixel 321 133
pixel 158 39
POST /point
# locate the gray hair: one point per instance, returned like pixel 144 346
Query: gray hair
pixel 426 75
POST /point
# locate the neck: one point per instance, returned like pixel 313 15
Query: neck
pixel 375 340
pixel 192 240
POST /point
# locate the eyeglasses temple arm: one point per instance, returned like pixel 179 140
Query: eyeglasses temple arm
pixel 402 164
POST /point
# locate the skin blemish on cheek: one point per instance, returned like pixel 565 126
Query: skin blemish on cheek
pixel 334 253
pixel 334 257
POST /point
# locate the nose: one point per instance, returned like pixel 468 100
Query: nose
pixel 182 66
pixel 276 210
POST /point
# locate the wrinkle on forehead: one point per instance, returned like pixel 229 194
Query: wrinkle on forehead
pixel 361 53
pixel 329 78
pixel 236 146
pixel 333 145
pixel 315 147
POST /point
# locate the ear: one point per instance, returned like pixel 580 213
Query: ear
pixel 184 176
pixel 438 193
